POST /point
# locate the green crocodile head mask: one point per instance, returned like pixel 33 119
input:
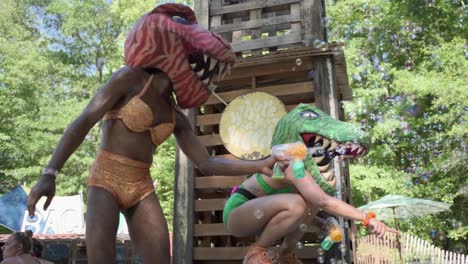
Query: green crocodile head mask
pixel 326 137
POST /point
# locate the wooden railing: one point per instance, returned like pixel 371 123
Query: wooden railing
pixel 373 250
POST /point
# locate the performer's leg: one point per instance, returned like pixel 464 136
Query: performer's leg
pixel 270 217
pixel 102 221
pixel 289 245
pixel 148 229
pixel 290 240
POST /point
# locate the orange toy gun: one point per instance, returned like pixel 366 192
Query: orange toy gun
pixel 296 152
pixel 335 234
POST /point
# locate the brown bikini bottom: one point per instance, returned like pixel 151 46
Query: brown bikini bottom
pixel 129 181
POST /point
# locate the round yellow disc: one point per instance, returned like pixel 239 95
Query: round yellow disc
pixel 248 122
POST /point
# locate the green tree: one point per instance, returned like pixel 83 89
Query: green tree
pixel 408 68
pixel 55 54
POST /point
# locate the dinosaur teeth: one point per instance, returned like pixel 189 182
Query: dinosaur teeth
pixel 318 159
pixel 222 65
pixel 205 58
pixel 332 182
pixel 362 151
pixel 359 151
pixel 206 81
pixel 326 142
pixel 354 147
pixel 334 145
pixel 324 168
pixel 317 138
pixel 213 63
pixel 193 65
pixel 200 73
pixel 328 175
pixel 226 70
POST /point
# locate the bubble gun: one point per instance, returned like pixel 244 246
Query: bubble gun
pixel 335 233
pixel 296 152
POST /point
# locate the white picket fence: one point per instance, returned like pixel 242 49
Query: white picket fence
pixel 414 250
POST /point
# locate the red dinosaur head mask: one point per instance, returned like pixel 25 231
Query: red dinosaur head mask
pixel 169 38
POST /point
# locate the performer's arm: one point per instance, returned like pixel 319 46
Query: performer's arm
pixel 312 193
pixel 74 135
pixel 101 103
pixel 208 165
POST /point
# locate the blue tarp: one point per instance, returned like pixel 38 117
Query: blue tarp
pixel 12 207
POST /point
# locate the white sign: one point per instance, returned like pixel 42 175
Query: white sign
pixel 64 216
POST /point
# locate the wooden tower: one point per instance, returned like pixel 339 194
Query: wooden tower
pixel 282 50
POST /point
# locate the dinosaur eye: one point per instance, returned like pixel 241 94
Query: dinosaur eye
pixel 180 20
pixel 310 114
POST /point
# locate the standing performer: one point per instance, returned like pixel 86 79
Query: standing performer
pixel 166 53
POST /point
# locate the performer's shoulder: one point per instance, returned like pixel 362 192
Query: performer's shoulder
pixel 126 74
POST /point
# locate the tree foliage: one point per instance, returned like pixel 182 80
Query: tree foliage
pixel 55 54
pixel 407 62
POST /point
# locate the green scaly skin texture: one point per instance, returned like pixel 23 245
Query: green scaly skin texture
pixel 292 125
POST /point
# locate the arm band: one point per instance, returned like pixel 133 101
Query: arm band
pixel 369 216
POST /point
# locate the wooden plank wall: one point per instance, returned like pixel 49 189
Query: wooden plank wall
pixel 258 27
pixel 284 79
pixel 271 38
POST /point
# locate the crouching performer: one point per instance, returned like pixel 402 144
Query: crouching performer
pixel 274 208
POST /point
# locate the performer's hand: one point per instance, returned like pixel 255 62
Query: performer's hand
pixel 44 187
pixel 378 228
pixel 267 169
pixel 271 160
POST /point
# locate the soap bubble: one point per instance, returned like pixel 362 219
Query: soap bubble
pixel 298 61
pixel 271 254
pixel 299 245
pixel 317 43
pixel 321 259
pixel 343 249
pixel 325 21
pixel 409 65
pixel 259 213
pixel 324 45
pixel 303 227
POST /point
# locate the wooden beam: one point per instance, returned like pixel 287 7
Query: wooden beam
pixel 211 140
pixel 278 66
pixel 312 13
pixel 214 119
pixel 214 182
pixel 249 6
pixel 183 204
pixel 290 38
pixel 206 205
pixel 201 230
pixel 257 23
pixel 276 90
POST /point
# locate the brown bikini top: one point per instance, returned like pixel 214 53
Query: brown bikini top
pixel 137 116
